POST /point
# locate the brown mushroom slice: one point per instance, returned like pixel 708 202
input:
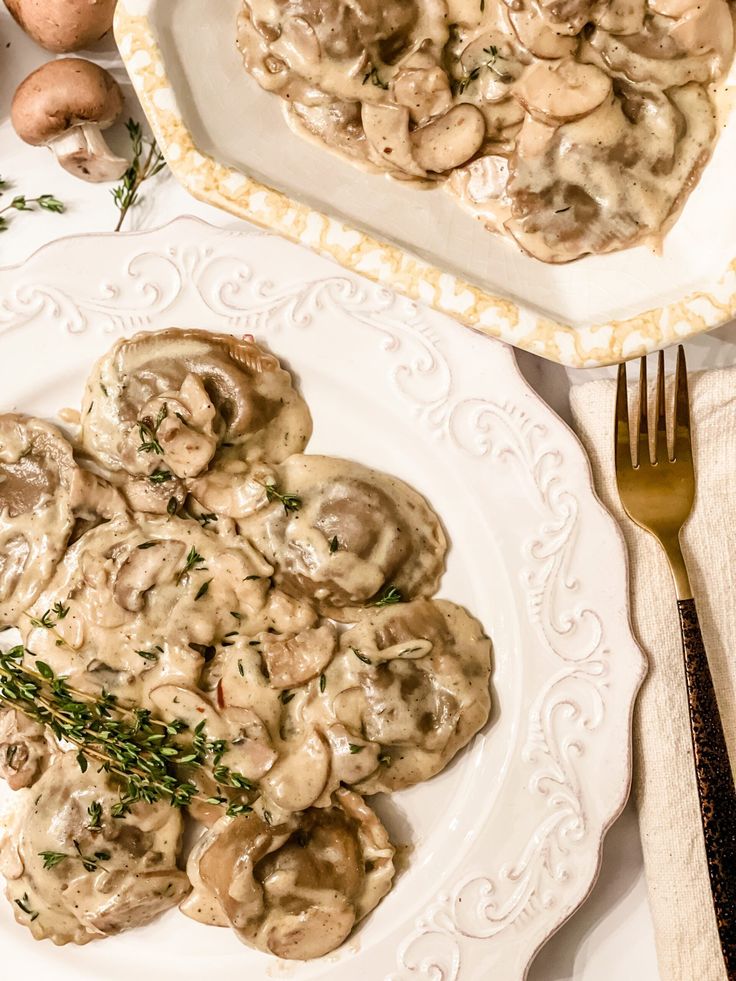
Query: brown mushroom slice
pixel 293 661
pixel 236 489
pixel 26 749
pixel 63 25
pixel 37 473
pixel 656 56
pixel 354 533
pixel 568 199
pixel 410 686
pixel 424 89
pixel 538 37
pixel 562 90
pixel 135 879
pixel 65 105
pixel 450 140
pixel 299 777
pixel 387 131
pixel 145 568
pixel 297 889
pixel 175 387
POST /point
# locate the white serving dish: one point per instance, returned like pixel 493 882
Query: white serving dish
pixel 506 842
pixel 228 143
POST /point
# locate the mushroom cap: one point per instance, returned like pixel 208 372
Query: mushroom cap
pixel 62 94
pixel 63 25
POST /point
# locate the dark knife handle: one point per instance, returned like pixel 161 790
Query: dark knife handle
pixel 715 781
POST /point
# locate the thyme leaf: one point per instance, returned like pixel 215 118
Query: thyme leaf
pixel 147 162
pixel 290 501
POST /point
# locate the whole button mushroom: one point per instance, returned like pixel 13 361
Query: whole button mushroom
pixel 63 25
pixel 64 105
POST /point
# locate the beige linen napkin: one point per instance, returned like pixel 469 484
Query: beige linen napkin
pixel 664 784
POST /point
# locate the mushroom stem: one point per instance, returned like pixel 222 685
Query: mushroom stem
pixel 82 151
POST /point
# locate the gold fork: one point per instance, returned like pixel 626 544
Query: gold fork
pixel 657 491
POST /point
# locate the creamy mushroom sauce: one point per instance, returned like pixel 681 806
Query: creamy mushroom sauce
pixel 297 888
pixel 356 531
pixel 210 412
pixel 136 876
pixel 279 598
pixel 571 126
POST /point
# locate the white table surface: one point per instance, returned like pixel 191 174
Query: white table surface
pixel 610 938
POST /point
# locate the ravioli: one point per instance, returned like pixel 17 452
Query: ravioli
pixel 130 875
pixel 353 534
pixel 294 889
pixel 409 688
pixel 165 407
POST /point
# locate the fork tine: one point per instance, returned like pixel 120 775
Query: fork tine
pixel 622 437
pixel 642 427
pixel 682 449
pixel 661 452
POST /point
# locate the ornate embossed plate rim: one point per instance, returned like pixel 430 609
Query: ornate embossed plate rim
pixel 208 179
pixel 514 428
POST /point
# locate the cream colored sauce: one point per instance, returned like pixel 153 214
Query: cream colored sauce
pixel 221 610
pixel 295 889
pixel 447 92
pixel 67 904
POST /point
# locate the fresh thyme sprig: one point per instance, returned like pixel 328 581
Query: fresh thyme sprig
pixel 373 77
pixel 290 501
pixel 147 162
pixel 194 563
pixel 90 863
pixel 389 597
pixel 148 432
pixel 461 84
pixel 145 755
pixel 47 621
pixel 47 202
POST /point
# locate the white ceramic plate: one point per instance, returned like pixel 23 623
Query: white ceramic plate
pixel 227 141
pixel 506 842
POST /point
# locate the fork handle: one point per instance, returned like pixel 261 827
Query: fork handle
pixel 715 781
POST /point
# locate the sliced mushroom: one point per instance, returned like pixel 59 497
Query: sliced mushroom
pixel 424 91
pixel 387 130
pixel 562 90
pixel 63 25
pixel 706 27
pixel 236 489
pixel 449 141
pixel 299 777
pixel 144 569
pixel 538 37
pixel 296 660
pixel 65 105
pixel 353 759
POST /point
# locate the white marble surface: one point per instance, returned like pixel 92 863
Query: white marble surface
pixel 611 937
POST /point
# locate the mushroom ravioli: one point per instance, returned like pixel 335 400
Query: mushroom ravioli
pixel 573 127
pixel 220 629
